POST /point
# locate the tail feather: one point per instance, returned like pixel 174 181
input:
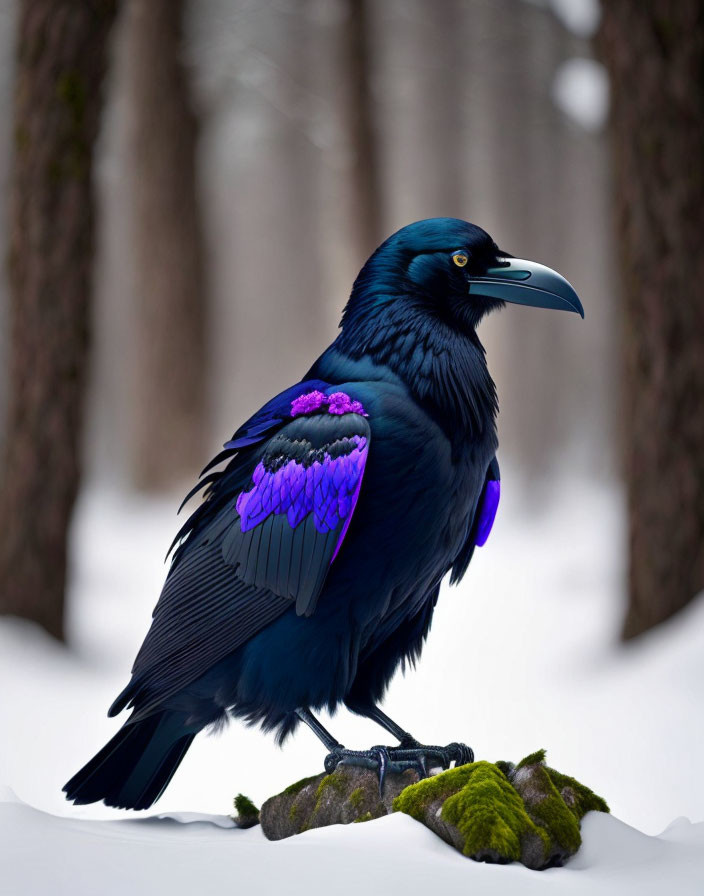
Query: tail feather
pixel 134 768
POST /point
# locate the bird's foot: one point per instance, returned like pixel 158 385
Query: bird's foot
pixel 408 754
pixel 424 757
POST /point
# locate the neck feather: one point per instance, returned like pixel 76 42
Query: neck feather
pixel 445 370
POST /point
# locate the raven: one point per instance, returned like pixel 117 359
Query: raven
pixel 311 568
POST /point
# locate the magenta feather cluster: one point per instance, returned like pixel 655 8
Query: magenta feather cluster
pixel 335 403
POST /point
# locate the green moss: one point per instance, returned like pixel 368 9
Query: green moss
pixel 336 781
pixel 413 800
pixel 366 817
pixel 416 797
pixel 557 802
pixel 245 807
pixel 490 815
pixel 578 798
pixel 356 798
pixel 550 812
pixel 293 811
pixel 537 758
pixel 298 786
pixel 483 806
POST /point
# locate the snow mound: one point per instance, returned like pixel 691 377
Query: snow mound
pixel 185 853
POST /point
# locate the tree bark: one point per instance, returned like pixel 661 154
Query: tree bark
pixel 365 192
pixel 654 51
pixel 169 374
pixel 62 53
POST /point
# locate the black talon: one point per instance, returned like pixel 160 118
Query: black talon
pixel 384 761
pixel 422 767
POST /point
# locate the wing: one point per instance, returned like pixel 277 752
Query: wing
pixel 292 519
pixel 482 521
pixel 271 524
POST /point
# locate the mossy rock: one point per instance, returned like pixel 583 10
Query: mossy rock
pixel 504 813
pixel 491 812
pixel 247 814
pixel 349 794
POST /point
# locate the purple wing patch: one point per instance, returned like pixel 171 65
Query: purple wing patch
pixel 324 484
pixel 335 403
pixel 487 511
pixel 294 514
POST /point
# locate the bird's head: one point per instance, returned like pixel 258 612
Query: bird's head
pixel 415 306
pixel 452 272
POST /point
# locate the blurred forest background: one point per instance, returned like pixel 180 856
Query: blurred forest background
pixel 191 188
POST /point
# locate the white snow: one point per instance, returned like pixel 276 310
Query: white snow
pixel 393 855
pixel 524 654
pixel 581 17
pixel 580 89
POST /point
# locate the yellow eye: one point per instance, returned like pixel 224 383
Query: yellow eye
pixel 460 259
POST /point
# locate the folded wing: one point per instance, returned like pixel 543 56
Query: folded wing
pixel 293 517
pixel 269 528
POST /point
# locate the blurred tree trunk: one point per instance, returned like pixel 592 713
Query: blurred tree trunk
pixel 365 192
pixel 169 373
pixel 655 54
pixel 62 53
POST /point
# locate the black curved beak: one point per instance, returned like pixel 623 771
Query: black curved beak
pixel 526 283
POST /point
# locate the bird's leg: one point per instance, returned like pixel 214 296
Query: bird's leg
pixel 376 758
pixel 318 729
pixel 376 714
pixel 410 753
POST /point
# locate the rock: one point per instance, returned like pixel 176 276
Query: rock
pixel 503 813
pixel 491 812
pixel 349 794
pixel 247 813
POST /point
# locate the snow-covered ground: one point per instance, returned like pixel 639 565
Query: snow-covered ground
pixel 522 655
pixel 392 856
